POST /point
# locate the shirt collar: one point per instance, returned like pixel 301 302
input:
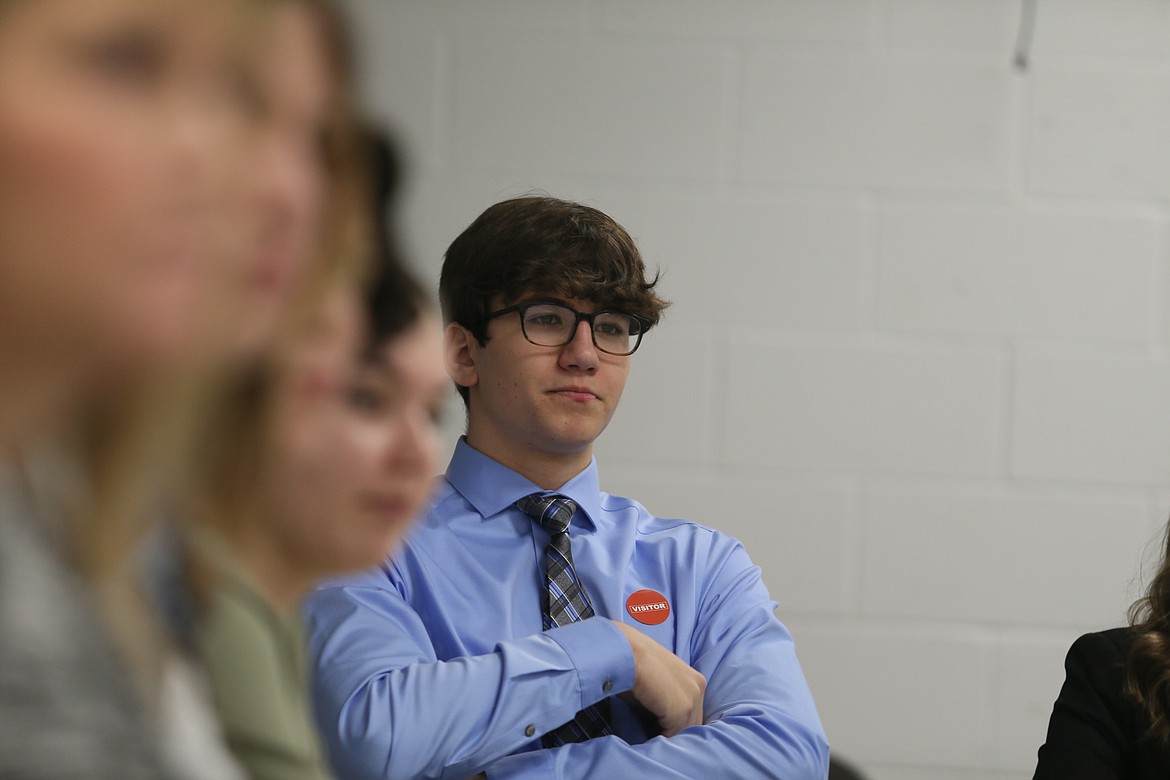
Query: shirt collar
pixel 492 487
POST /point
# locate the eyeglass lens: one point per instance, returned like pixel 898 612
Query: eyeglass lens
pixel 550 325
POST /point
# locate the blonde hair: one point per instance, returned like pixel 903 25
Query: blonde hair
pixel 190 443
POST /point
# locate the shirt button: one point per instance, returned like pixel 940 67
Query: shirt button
pixel 530 730
pixel 607 686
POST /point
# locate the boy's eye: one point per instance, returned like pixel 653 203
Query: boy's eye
pixel 545 320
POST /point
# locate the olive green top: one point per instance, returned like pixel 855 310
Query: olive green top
pixel 255 659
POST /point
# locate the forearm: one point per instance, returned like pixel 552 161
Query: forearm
pixel 760 721
pixel 388 708
pixel 756 745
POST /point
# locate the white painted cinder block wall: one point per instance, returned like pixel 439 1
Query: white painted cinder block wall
pixel 918 358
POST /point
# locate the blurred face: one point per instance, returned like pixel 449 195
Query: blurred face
pixel 119 140
pixel 356 457
pixel 530 403
pixel 287 172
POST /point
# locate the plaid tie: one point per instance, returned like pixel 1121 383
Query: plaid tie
pixel 564 602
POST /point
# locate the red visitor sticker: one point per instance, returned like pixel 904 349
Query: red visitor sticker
pixel 648 606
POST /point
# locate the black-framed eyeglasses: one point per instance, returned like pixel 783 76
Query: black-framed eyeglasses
pixel 553 324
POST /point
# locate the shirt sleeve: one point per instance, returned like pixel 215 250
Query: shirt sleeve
pixel 388 708
pixel 759 716
pixel 1086 737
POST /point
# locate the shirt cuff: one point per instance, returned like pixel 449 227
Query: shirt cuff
pixel 601 654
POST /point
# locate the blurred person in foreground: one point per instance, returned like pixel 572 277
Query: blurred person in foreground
pixel 1111 720
pixel 170 171
pixel 533 626
pixel 338 437
pixel 122 135
pixel 309 249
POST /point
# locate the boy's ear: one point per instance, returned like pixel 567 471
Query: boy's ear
pixel 459 348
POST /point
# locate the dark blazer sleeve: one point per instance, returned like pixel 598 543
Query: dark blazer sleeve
pixel 1094 728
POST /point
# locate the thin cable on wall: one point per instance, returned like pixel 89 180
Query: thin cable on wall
pixel 1024 37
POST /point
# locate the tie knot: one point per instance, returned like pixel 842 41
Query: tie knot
pixel 552 510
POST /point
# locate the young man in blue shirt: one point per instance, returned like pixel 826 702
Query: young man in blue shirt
pixel 494 644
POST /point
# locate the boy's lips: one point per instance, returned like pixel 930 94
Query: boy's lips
pixel 576 393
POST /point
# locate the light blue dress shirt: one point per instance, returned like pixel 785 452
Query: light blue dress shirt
pixel 435 664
